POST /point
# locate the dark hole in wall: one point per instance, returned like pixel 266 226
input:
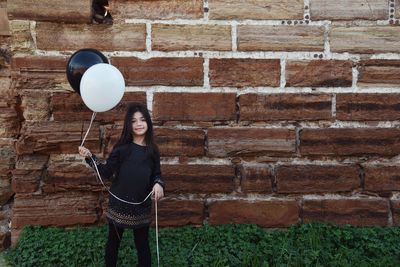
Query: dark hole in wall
pixel 101 12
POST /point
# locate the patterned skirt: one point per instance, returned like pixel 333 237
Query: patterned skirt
pixel 126 215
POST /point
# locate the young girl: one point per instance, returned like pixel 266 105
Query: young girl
pixel 135 164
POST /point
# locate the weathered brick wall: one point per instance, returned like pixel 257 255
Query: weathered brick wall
pixel 269 112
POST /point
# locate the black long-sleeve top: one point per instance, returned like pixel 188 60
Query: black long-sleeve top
pixel 133 173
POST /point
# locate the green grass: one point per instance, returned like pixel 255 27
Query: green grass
pixel 311 244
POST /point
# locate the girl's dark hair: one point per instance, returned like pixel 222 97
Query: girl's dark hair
pixel 127 131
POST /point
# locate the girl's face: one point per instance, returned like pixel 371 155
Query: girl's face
pixel 139 124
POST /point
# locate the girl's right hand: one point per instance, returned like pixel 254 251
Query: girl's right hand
pixel 84 152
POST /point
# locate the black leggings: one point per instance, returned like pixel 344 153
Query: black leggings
pixel 141 237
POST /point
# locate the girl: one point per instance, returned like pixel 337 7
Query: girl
pixel 135 163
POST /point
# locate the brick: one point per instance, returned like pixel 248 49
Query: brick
pixel 265 213
pixel 8 155
pixel 158 9
pixel 35 105
pixel 349 10
pixel 9 122
pixel 382 178
pixel 63 209
pixel 372 73
pixel 180 142
pixel 258 9
pixel 256 179
pixel 350 142
pixel 68 174
pixel 61 37
pixel 56 138
pixel 39 72
pixel 397 9
pixel 280 38
pixel 359 212
pixel 161 71
pixel 4 26
pixel 5 58
pixel 170 37
pixel 32 162
pixel 70 107
pixel 395 203
pixel 39 63
pixel 317 178
pixel 172 212
pixel 228 142
pixel 22 40
pixel 5 89
pixel 75 11
pixel 270 107
pixel 365 40
pixel 319 73
pixel 6 191
pixel 198 178
pixel 245 72
pixel 26 181
pixel 369 107
pixel 8 96
pixel 194 106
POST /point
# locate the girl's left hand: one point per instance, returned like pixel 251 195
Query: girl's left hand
pixel 158 191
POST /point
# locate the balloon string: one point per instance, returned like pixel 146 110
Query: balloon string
pixel 120 199
pixel 158 250
pixel 90 125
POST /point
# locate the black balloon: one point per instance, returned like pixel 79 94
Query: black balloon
pixel 79 62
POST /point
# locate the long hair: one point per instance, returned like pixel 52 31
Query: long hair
pixel 127 131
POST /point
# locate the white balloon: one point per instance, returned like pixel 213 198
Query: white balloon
pixel 102 87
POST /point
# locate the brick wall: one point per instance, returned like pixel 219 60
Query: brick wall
pixel 269 112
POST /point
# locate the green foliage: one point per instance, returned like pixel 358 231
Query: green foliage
pixel 311 244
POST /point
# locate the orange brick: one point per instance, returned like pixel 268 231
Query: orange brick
pixel 360 212
pixel 280 38
pixel 382 178
pixel 161 71
pixel 395 203
pixel 73 11
pixel 173 212
pixel 156 9
pixel 180 142
pixel 271 107
pixel 368 107
pixel 317 178
pixel 350 142
pixel 198 178
pixel 57 36
pixel 319 73
pixel 245 72
pixel 4 26
pixel 365 40
pixel 230 142
pixel 349 10
pixel 256 179
pixel 194 106
pixel 378 73
pixel 169 37
pixel 258 9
